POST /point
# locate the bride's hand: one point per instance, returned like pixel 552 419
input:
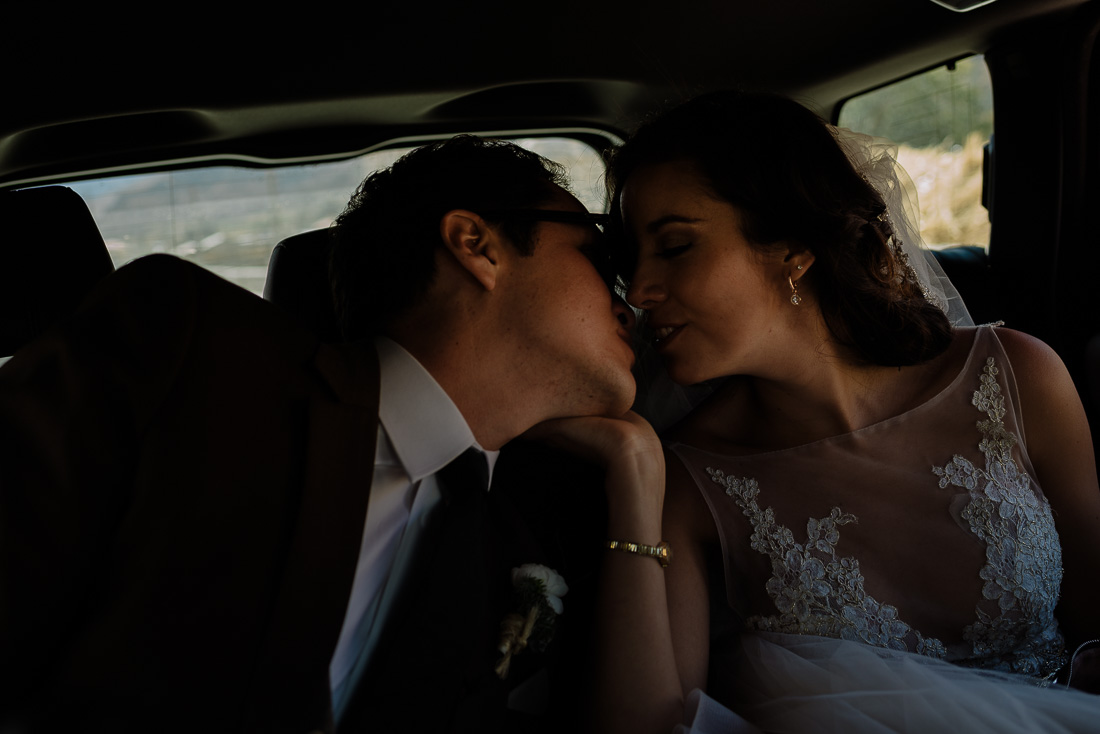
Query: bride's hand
pixel 606 441
pixel 629 449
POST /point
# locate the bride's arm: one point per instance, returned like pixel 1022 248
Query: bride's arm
pixel 654 622
pixel 1059 445
pixel 642 672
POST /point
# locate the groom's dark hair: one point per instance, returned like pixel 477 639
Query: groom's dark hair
pixel 384 243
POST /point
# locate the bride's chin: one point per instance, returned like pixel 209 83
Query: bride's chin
pixel 683 375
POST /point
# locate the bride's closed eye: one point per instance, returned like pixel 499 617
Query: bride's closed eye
pixel 669 252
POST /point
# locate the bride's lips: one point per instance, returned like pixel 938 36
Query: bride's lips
pixel 665 333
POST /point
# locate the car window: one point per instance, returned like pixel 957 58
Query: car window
pixel 941 119
pixel 228 219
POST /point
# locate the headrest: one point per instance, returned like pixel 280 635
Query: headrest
pixel 973 257
pixel 968 268
pixel 51 255
pixel 298 282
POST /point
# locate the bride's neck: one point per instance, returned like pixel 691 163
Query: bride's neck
pixel 832 400
pixel 822 394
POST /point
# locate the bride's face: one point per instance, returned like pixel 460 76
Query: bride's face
pixel 712 299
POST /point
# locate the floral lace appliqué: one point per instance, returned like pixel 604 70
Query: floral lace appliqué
pixel 815 591
pixel 1015 628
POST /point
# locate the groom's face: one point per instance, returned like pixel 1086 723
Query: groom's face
pixel 575 333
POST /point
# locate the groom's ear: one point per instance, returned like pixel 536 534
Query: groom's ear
pixel 473 245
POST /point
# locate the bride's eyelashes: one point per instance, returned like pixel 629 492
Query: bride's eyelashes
pixel 673 251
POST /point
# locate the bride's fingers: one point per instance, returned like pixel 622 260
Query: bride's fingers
pixel 601 439
pixel 587 436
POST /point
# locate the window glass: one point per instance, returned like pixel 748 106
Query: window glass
pixel 228 219
pixel 941 120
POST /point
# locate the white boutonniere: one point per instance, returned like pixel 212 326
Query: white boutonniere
pixel 538 591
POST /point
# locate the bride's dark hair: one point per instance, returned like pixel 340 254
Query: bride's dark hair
pixel 781 166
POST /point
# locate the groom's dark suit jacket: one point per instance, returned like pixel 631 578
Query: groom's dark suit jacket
pixel 183 482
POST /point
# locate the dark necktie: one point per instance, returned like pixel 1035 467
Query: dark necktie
pixel 466 479
pixel 433 630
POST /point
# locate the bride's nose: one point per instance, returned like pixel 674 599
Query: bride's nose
pixel 644 293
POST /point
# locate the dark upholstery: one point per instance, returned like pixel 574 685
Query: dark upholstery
pixel 963 262
pixel 51 255
pixel 297 281
pixel 968 268
pixel 1092 372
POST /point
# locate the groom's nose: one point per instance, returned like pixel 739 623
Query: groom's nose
pixel 623 312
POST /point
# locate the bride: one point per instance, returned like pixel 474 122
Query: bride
pixel 881 518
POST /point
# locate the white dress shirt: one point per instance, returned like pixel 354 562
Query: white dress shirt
pixel 420 431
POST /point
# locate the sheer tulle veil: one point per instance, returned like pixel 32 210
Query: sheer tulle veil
pixel 875 159
pixel 663 402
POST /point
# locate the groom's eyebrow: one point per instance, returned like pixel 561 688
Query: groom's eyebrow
pixel 655 226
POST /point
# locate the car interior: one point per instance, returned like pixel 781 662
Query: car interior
pixel 94 114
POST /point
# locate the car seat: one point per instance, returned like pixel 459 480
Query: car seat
pixel 53 255
pixel 298 282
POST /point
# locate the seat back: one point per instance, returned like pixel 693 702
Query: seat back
pixel 968 268
pixel 298 282
pixel 51 256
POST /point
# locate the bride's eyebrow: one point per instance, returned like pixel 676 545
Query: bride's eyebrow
pixel 655 226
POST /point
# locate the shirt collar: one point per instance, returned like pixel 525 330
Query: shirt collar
pixel 425 427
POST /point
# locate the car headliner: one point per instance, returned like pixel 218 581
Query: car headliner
pixel 99 96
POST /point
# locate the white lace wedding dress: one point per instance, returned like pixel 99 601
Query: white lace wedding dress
pixel 900 578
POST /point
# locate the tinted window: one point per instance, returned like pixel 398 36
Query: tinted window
pixel 228 219
pixel 941 119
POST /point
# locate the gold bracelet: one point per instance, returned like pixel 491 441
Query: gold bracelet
pixel 662 551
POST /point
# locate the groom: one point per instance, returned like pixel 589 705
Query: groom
pixel 210 521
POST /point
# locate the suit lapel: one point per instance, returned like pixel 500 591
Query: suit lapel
pixel 324 549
